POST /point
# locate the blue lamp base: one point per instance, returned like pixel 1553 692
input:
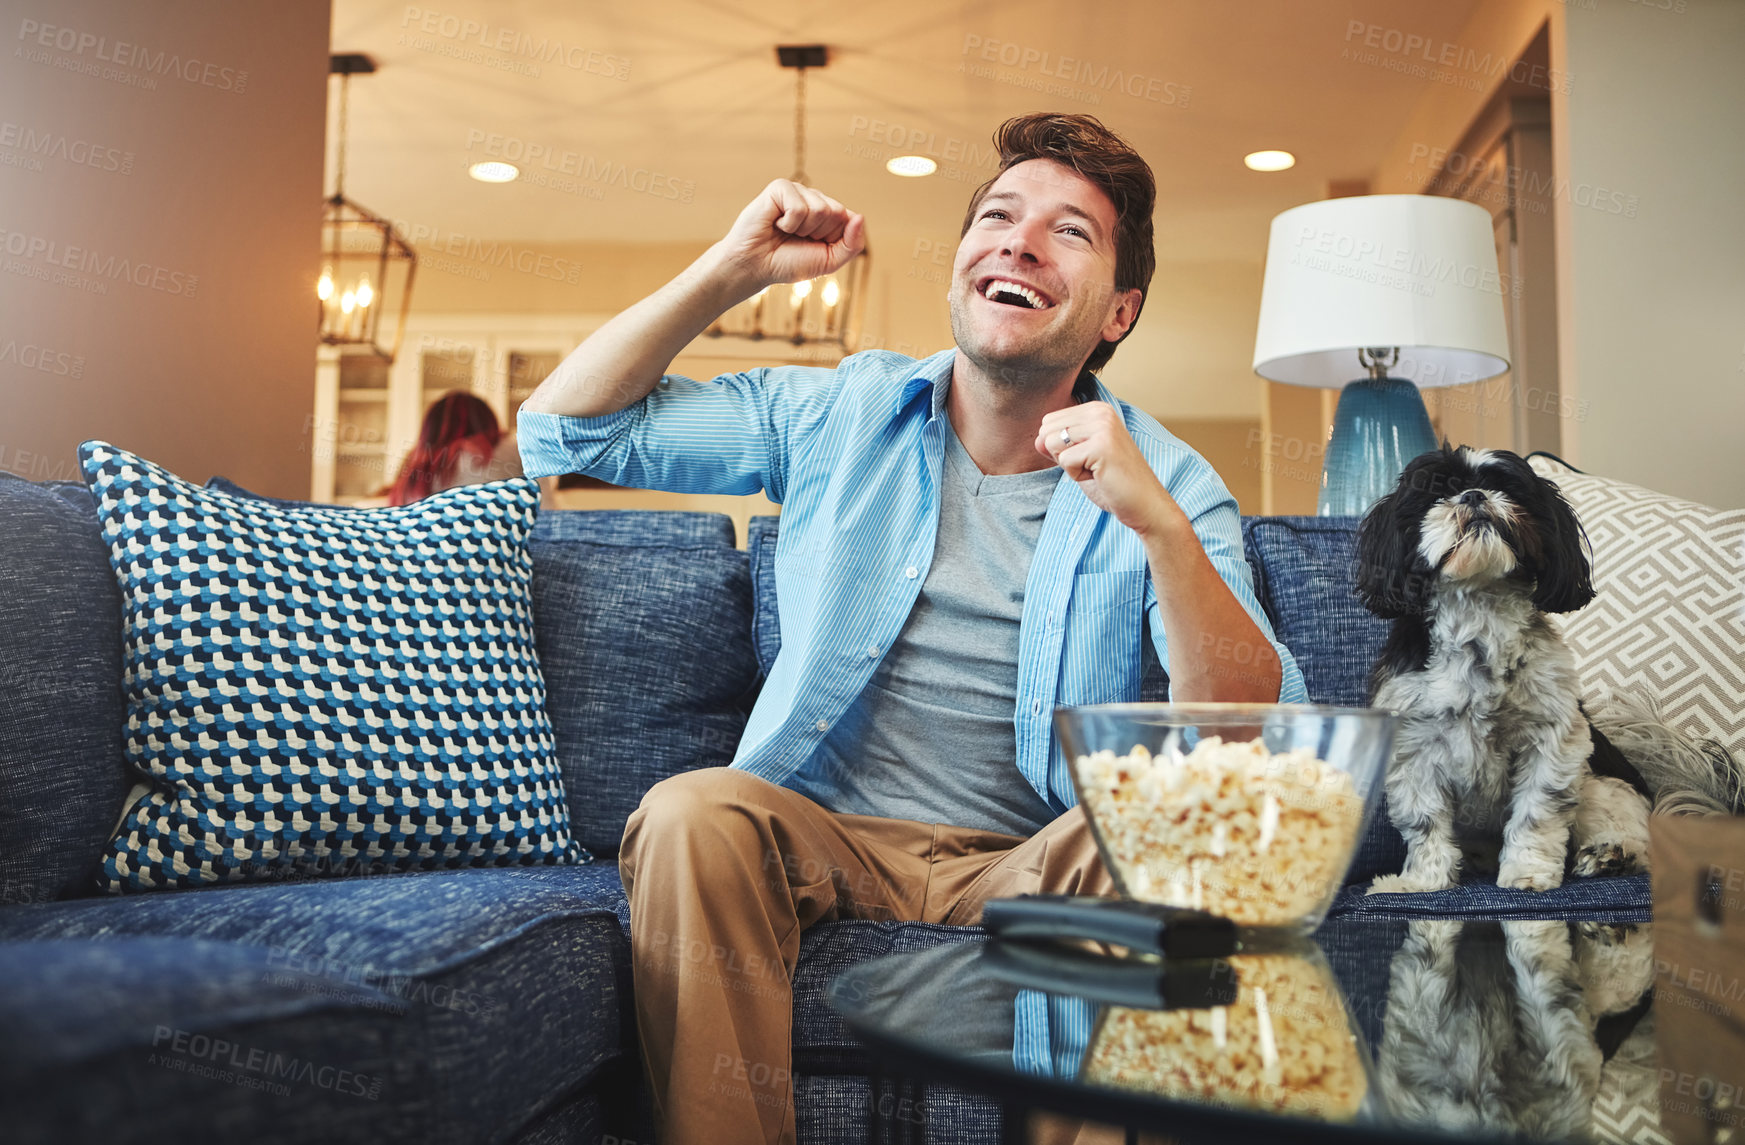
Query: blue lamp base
pixel 1381 424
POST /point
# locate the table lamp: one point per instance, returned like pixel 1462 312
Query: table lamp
pixel 1403 288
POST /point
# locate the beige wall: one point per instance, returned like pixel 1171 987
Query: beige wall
pixel 1648 114
pixel 1653 332
pixel 160 237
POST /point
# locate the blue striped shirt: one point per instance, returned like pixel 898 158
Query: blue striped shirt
pixel 854 457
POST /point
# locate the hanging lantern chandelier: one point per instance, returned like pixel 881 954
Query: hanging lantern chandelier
pixel 366 267
pixel 824 312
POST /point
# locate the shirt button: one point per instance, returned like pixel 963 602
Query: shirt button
pixel 911 572
pixel 823 725
pixel 1035 706
pixel 872 651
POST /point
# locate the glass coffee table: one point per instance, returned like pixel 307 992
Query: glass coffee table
pixel 1371 1029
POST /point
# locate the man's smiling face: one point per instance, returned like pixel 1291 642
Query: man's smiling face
pixel 1033 286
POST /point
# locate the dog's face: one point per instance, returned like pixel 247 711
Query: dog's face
pixel 1470 516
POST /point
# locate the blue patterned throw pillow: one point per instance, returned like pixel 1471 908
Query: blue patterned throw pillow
pixel 325 691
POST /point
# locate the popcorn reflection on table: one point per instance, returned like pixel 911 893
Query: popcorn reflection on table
pixel 1286 1045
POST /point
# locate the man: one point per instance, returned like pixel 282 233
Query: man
pixel 966 542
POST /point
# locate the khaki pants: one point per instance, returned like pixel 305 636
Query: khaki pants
pixel 725 869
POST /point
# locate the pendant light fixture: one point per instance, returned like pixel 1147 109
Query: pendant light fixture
pixel 824 312
pixel 366 267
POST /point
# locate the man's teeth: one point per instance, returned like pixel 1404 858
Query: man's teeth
pixel 1000 286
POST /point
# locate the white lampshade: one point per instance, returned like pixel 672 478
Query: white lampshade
pixel 1414 271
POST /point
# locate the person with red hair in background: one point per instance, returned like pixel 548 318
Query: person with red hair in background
pixel 460 443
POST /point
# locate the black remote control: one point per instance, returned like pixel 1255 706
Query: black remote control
pixel 1138 982
pixel 1174 932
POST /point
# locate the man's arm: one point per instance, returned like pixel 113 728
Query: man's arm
pixel 789 232
pixel 1216 650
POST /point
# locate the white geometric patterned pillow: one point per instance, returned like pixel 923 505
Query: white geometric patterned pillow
pixel 326 691
pixel 1668 617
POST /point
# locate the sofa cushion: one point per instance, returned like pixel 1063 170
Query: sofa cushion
pixel 1667 621
pixel 62 772
pixel 761 534
pixel 642 620
pixel 581 1118
pixel 634 528
pixel 1306 569
pixel 1308 565
pixel 322 689
pixel 820 1035
pixel 149 1039
pixel 648 663
pixel 475 998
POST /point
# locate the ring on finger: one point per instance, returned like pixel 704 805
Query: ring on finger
pixel 1065 437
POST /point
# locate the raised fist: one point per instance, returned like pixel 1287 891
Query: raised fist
pixel 791 232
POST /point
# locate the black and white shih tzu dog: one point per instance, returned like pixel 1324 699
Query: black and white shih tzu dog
pixel 1495 761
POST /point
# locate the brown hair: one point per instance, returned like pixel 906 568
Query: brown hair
pixel 1082 143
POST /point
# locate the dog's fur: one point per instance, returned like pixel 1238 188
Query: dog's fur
pixel 1491 762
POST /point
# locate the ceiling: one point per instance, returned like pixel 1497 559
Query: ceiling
pixel 674 113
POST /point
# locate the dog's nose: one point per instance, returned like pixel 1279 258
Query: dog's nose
pixel 1472 497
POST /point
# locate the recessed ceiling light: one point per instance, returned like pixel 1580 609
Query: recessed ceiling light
pixel 1269 160
pixel 494 172
pixel 911 166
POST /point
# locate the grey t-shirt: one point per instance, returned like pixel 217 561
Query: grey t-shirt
pixel 932 738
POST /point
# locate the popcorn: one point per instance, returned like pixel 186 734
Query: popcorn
pixel 1285 1046
pixel 1231 828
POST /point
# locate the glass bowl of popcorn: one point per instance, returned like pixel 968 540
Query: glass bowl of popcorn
pixel 1248 811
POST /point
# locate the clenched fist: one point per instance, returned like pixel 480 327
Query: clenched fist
pixel 790 232
pixel 1091 443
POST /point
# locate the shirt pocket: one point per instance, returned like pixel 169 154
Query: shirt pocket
pixel 1101 660
pixel 1100 591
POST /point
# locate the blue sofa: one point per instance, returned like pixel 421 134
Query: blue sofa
pixel 486 1005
